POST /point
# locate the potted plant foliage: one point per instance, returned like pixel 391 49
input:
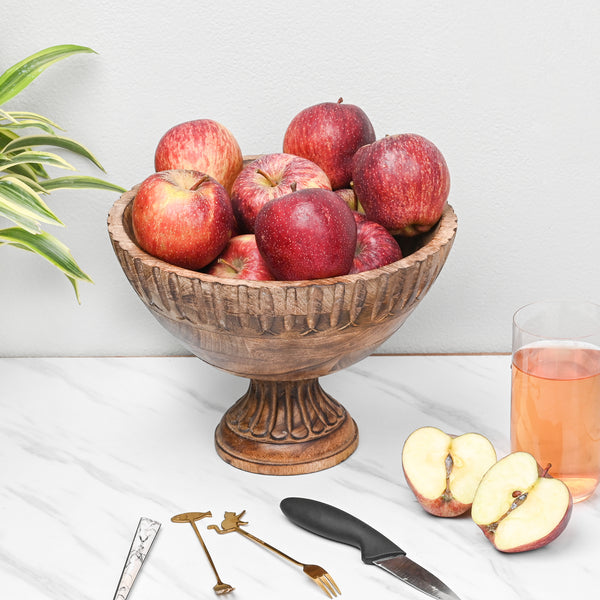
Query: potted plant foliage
pixel 24 181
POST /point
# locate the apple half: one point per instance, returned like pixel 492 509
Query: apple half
pixel 443 470
pixel 519 506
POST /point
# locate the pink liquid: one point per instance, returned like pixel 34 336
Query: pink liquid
pixel 555 412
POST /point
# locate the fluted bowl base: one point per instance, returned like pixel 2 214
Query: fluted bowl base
pixel 286 428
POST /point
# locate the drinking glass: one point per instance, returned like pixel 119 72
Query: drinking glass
pixel 555 396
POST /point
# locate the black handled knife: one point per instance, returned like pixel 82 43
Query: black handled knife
pixel 335 524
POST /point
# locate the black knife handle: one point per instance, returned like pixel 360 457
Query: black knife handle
pixel 335 524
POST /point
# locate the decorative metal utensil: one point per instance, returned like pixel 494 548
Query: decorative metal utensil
pixel 320 576
pixel 145 534
pixel 191 518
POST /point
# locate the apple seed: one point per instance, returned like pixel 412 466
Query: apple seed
pixel 518 501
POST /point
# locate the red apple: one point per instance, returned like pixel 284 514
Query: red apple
pixel 308 234
pixel 329 134
pixel 183 217
pixel 375 245
pixel 272 176
pixel 349 197
pixel 402 182
pixel 518 506
pixel 241 260
pixel 201 145
pixel 443 470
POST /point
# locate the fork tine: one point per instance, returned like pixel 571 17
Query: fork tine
pixel 323 579
pixel 323 586
pixel 332 584
pixel 318 574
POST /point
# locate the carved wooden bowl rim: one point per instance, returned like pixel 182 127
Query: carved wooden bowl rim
pixel 119 226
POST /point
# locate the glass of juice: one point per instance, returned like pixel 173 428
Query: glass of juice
pixel 555 395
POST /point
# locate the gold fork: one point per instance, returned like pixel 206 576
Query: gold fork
pixel 320 576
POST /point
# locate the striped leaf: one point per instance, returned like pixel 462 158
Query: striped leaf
pixel 51 140
pixel 6 136
pixel 48 247
pixel 15 79
pixel 19 201
pixel 28 181
pixel 5 116
pixel 22 115
pixel 18 217
pixel 35 157
pixel 29 124
pixel 80 182
pixel 24 172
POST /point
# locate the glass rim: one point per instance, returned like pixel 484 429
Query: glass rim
pixel 594 328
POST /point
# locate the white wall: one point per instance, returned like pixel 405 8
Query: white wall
pixel 509 91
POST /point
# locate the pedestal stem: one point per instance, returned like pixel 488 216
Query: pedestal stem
pixel 286 428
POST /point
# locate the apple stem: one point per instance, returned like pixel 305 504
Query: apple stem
pixel 545 473
pixel 271 182
pixel 199 183
pixel 340 100
pixel 294 186
pixel 230 265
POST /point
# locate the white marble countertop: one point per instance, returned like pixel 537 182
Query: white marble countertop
pixel 90 445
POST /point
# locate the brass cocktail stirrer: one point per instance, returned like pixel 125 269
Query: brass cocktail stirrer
pixel 319 575
pixel 191 518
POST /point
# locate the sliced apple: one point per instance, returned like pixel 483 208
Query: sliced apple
pixel 519 506
pixel 443 470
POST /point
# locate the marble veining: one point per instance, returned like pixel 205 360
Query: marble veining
pixel 90 445
pixel 143 538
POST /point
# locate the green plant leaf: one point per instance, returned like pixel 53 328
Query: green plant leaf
pixel 23 177
pixel 19 201
pixel 80 182
pixel 24 171
pixel 5 116
pixel 25 120
pixel 29 181
pixel 48 247
pixel 19 76
pixel 20 219
pixel 31 156
pixel 29 124
pixel 22 115
pixel 29 141
pixel 7 136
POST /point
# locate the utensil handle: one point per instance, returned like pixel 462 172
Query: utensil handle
pixel 143 538
pixel 335 524
pixel 268 546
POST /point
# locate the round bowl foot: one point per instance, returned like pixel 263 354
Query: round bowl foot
pixel 286 428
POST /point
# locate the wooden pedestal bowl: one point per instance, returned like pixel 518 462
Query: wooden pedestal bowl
pixel 282 336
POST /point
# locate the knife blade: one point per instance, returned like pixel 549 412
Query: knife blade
pixel 376 549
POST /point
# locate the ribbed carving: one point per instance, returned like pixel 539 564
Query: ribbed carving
pixel 281 412
pixel 195 306
pixel 309 310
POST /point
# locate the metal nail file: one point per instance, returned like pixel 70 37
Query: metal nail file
pixel 335 524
